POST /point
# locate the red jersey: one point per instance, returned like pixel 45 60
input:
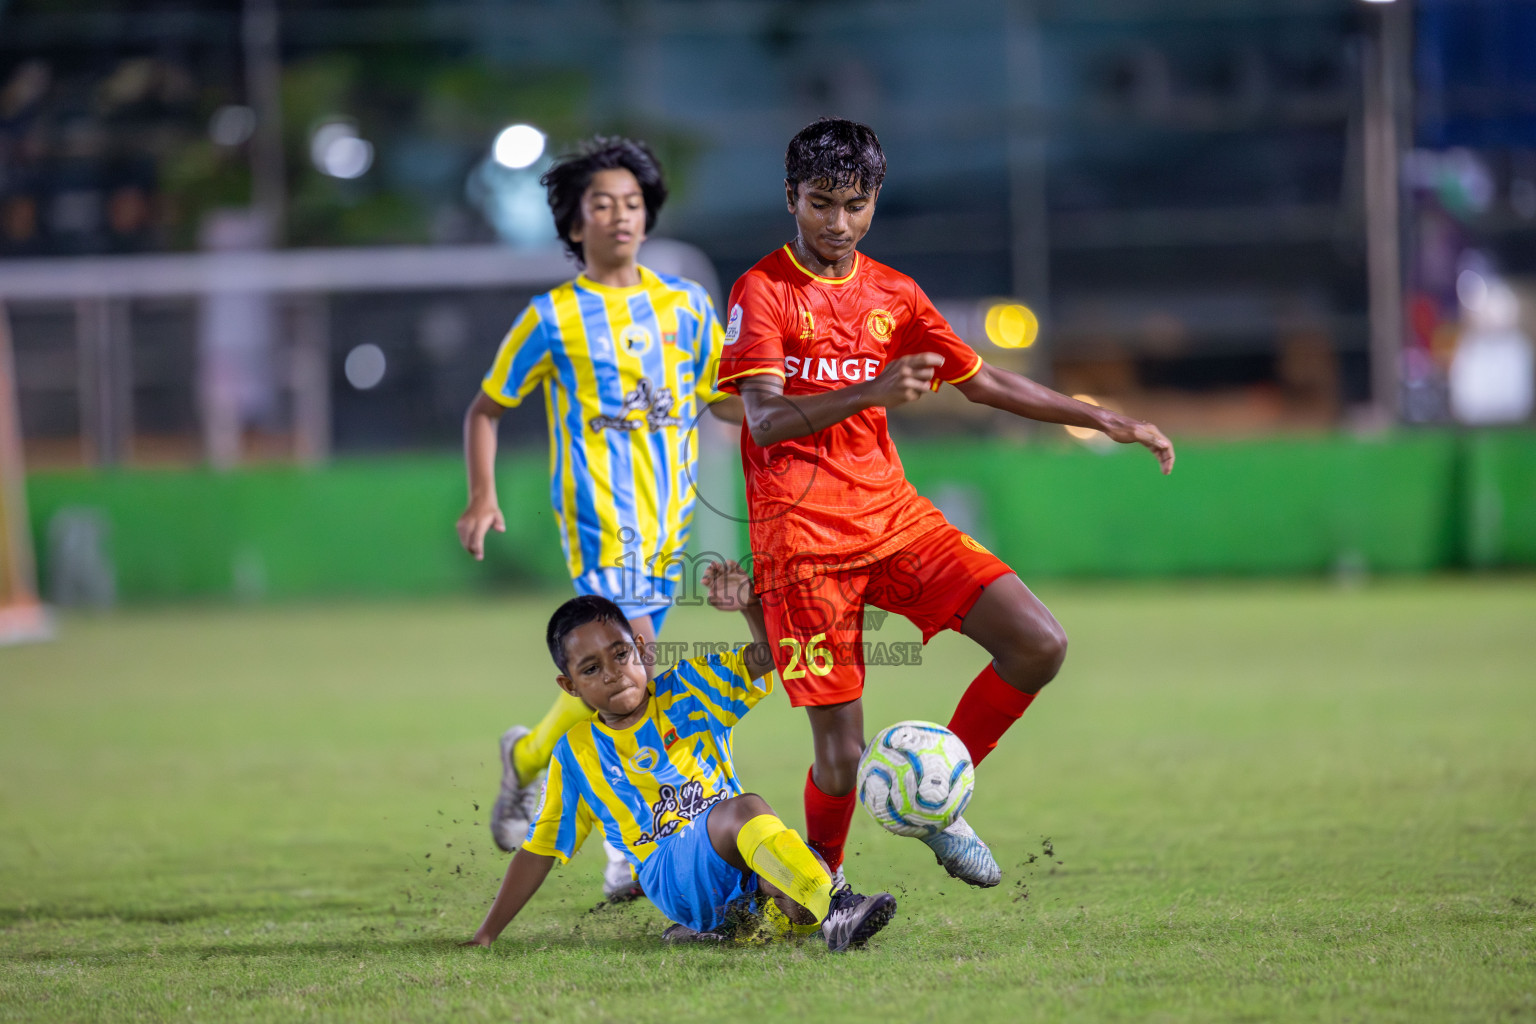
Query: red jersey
pixel 839 498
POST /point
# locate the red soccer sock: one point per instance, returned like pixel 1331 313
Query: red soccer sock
pixel 826 821
pixel 985 712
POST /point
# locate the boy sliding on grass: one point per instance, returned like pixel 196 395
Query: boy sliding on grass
pixel 651 767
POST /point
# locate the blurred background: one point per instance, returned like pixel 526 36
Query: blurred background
pixel 255 257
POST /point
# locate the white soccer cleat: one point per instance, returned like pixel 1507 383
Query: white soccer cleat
pixel 619 882
pixel 516 804
pixel 962 853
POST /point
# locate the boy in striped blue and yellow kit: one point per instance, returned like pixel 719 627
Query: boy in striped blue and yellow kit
pixel 651 769
pixel 626 360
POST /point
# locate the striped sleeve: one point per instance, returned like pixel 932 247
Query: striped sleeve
pixel 563 819
pixel 720 682
pixel 523 360
pixel 706 362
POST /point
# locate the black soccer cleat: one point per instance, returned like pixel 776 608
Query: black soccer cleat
pixel 853 919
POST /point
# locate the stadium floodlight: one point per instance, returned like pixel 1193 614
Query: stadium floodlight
pixel 1471 289
pixel 337 150
pixel 365 366
pixel 518 146
pixel 232 125
pixel 1012 325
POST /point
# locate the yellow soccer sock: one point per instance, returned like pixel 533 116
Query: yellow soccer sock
pixel 532 753
pixel 777 853
pixel 779 925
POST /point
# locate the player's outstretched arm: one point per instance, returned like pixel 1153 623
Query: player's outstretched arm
pixel 730 589
pixel 483 514
pixel 524 876
pixel 773 416
pixel 1015 393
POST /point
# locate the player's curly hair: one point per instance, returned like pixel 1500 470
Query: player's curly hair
pixel 574 614
pixel 834 153
pixel 568 179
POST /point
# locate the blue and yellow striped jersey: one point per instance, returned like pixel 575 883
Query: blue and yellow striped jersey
pixel 626 373
pixel 643 784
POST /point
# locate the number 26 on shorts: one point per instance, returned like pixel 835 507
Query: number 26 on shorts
pixel 812 656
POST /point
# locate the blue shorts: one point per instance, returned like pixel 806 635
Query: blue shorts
pixel 636 595
pixel 691 883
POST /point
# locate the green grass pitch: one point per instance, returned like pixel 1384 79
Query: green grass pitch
pixel 1238 802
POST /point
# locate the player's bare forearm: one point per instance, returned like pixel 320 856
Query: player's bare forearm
pixel 480 445
pixel 773 416
pixel 482 513
pixel 759 657
pixel 524 876
pixel 727 408
pixel 730 589
pixel 1015 393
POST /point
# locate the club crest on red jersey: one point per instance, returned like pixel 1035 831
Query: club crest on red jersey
pixel 881 323
pixel 973 543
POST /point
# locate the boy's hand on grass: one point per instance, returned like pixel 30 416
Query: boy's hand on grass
pixel 729 586
pixel 478 940
pixel 477 520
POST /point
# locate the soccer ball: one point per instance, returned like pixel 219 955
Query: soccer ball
pixel 915 778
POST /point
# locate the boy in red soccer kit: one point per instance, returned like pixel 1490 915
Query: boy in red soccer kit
pixel 821 340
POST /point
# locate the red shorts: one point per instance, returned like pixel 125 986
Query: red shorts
pixel 816 626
